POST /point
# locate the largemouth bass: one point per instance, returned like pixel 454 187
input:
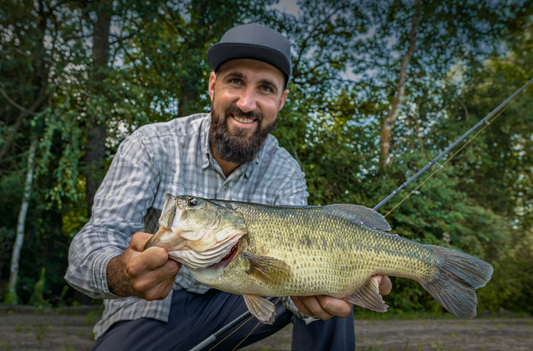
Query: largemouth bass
pixel 256 250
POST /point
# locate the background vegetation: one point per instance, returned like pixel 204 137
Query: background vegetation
pixel 379 88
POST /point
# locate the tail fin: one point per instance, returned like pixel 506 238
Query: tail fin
pixel 460 274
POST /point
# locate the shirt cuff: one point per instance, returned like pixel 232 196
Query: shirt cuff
pixel 100 274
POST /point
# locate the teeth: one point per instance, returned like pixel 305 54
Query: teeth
pixel 244 120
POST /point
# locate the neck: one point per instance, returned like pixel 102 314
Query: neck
pixel 227 167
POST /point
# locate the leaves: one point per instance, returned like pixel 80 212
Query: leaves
pixel 346 61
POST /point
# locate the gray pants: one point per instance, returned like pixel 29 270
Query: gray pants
pixel 193 317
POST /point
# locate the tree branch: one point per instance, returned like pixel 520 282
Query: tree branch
pixel 22 115
pixel 119 39
pixel 4 94
pixel 395 107
pixel 312 34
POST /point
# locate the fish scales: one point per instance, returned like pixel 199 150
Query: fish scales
pixel 326 254
pixel 257 250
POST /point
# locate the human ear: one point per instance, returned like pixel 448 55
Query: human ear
pixel 212 81
pixel 283 99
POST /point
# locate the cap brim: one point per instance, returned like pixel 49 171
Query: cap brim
pixel 223 52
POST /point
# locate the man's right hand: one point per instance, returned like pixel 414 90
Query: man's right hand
pixel 146 274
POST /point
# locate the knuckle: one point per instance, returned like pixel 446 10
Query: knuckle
pixel 151 296
pixel 345 314
pixel 326 304
pixel 140 286
pixel 131 270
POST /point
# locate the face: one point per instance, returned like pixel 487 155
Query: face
pixel 246 96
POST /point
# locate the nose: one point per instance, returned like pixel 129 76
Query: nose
pixel 247 100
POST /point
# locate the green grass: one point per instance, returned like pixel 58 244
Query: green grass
pixel 401 315
pixel 42 331
pixel 92 317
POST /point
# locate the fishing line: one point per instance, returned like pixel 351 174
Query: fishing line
pixel 231 333
pixel 253 329
pixel 461 148
pixel 218 343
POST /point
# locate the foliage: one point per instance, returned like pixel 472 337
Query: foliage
pixel 346 55
pixel 36 298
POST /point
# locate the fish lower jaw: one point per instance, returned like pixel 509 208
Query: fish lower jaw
pixel 220 255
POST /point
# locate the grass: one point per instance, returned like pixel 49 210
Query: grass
pixel 20 328
pixel 42 331
pixel 92 317
pixel 401 315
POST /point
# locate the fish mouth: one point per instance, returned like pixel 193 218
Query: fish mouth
pixel 226 259
pixel 221 253
pixel 231 253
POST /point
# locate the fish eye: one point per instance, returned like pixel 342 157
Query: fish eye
pixel 192 202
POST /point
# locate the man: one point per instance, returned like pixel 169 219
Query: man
pixel 152 302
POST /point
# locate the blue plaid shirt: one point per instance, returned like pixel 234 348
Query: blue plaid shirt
pixel 172 157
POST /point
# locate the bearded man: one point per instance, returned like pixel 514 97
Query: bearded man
pixel 151 302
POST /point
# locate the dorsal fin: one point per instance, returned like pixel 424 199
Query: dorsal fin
pixel 361 215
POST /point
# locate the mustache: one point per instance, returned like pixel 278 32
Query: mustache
pixel 237 112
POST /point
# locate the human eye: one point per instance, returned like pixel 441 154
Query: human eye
pixel 235 81
pixel 266 89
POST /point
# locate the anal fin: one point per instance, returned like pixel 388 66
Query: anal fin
pixel 368 297
pixel 261 308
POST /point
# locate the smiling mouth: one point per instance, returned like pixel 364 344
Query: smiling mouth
pixel 244 120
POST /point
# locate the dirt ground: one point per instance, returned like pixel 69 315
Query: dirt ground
pixel 69 332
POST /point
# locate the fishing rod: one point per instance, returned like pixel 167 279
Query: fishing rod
pixel 247 314
pixel 484 120
pixel 224 329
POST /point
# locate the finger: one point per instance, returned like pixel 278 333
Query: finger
pixel 149 284
pixel 378 278
pixel 169 270
pixel 146 261
pixel 313 305
pixel 159 291
pixel 138 240
pixel 300 306
pixel 385 286
pixel 333 306
pixel 165 274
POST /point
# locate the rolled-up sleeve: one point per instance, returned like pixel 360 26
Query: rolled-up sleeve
pixel 120 204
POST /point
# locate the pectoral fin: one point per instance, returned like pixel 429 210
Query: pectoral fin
pixel 261 308
pixel 268 269
pixel 368 297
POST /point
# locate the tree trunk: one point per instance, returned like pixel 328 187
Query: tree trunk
pixel 95 154
pixel 11 298
pixel 388 123
pixel 189 92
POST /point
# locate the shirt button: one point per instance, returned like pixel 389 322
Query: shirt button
pixel 225 186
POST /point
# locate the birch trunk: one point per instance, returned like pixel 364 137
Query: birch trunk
pixel 15 257
pixel 389 121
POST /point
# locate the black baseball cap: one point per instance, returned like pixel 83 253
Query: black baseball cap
pixel 253 41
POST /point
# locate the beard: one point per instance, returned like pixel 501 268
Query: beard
pixel 237 146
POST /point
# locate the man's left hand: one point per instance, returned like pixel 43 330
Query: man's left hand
pixel 327 307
